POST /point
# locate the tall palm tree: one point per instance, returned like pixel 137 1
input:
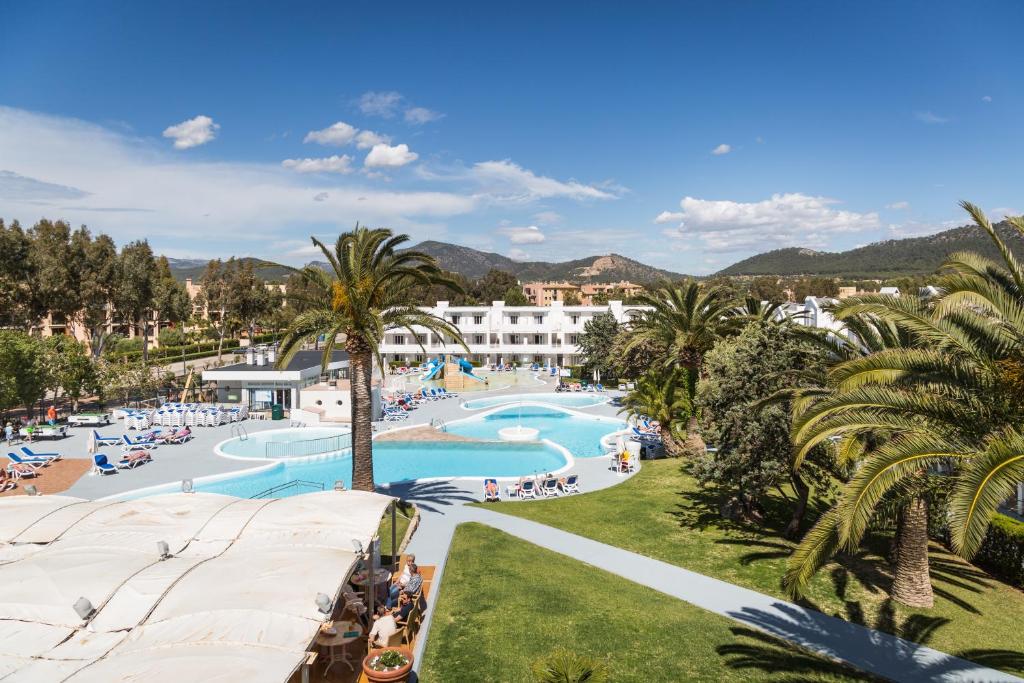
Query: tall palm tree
pixel 948 402
pixel 365 293
pixel 660 394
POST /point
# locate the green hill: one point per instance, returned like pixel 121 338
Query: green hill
pixel 891 258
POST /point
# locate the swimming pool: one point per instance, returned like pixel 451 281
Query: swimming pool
pixel 579 434
pixel 393 461
pixel 569 400
pixel 298 441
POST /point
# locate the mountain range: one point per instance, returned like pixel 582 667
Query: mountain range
pixel 880 260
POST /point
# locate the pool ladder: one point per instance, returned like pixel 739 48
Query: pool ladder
pixel 240 432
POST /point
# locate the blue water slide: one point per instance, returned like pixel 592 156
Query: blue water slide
pixel 467 369
pixel 433 367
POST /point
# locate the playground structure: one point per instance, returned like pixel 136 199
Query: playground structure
pixel 453 371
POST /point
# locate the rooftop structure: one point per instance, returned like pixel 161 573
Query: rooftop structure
pixel 547 293
pixel 257 382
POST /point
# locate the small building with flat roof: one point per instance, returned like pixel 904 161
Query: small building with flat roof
pixel 258 383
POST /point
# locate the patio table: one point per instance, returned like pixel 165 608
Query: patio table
pixel 347 632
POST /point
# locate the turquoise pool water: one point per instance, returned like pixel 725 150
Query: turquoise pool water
pixel 580 435
pixel 567 400
pixel 400 461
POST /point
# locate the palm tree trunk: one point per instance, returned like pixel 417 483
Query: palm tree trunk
pixel 361 367
pixel 912 584
pixel 694 446
pixel 803 491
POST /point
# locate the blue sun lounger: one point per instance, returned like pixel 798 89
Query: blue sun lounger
pixel 101 465
pixel 105 440
pixel 29 453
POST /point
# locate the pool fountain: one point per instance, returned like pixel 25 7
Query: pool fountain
pixel 518 433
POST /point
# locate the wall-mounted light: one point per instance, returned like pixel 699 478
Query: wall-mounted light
pixel 84 608
pixel 32 490
pixel 339 485
pixel 164 549
pixel 186 486
pixel 323 603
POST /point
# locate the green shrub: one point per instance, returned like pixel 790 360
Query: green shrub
pixel 172 337
pixel 1002 551
pixel 565 666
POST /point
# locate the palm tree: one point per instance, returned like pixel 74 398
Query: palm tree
pixel 365 293
pixel 946 402
pixel 659 396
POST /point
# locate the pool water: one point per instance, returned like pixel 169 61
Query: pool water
pixel 568 400
pixel 580 435
pixel 255 445
pixel 395 461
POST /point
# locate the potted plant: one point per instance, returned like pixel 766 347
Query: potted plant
pixel 388 665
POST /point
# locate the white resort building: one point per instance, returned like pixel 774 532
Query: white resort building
pixel 505 334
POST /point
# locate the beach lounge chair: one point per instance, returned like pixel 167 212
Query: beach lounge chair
pixel 100 465
pixel 600 387
pixel 492 494
pixel 549 487
pixel 19 471
pixel 129 444
pixel 133 459
pixel 32 455
pixel 646 437
pixel 528 490
pixel 6 482
pixel 34 463
pixel 104 440
pixel 571 484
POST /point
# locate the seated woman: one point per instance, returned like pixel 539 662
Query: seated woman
pixel 624 461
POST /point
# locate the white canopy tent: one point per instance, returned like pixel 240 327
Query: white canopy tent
pixel 235 600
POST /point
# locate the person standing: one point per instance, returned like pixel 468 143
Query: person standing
pixel 51 415
pixel 9 433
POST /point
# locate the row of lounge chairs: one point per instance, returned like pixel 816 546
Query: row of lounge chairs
pixel 27 465
pixel 398 408
pixel 129 460
pixel 530 489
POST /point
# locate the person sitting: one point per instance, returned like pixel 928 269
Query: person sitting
pixel 415 582
pixel 400 582
pixel 404 609
pixel 384 627
pixel 491 489
pixel 624 461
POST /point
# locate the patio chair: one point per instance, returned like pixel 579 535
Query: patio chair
pixel 20 471
pixel 549 487
pixel 32 455
pixel 105 440
pixel 100 465
pixel 492 494
pixel 572 484
pixel 34 463
pixel 528 489
pixel 133 459
pixel 129 444
pixel 600 387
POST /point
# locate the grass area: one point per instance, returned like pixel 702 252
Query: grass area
pixel 506 603
pixel 662 513
pixel 402 520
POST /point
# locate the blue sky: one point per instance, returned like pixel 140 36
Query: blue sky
pixel 687 135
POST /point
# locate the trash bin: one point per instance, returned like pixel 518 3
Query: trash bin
pixel 277 412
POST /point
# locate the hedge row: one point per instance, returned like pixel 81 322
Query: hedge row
pixel 1002 551
pixel 192 351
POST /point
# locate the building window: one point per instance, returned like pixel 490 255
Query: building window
pixel 537 339
pixel 572 338
pixel 514 338
pixel 575 320
pixel 455 320
pixel 513 319
pixel 421 338
pixel 538 319
pixel 478 339
pixel 478 320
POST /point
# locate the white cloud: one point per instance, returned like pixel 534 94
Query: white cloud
pixel 548 217
pixel 192 133
pixel 986 98
pixel 386 156
pixel 511 181
pixel 791 219
pixel 722 149
pixel 518 255
pixel 930 117
pixel 759 140
pixel 381 104
pixel 530 234
pixel 225 200
pixel 367 139
pixel 332 164
pixel 420 115
pixel 338 134
pixel 898 206
pixel 669 217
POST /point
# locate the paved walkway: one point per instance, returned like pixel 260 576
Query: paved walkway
pixel 864 648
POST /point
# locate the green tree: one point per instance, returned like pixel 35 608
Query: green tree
pixel 597 341
pixel 514 296
pixel 631 359
pixel 950 400
pixel 99 280
pixel 22 369
pixel 249 300
pixel 365 293
pixel 571 298
pixel 16 278
pixel 54 268
pixel 493 286
pixel 660 394
pixel 753 449
pixel 214 299
pixel 170 298
pixel 125 379
pixel 133 297
pixel 69 368
pixel 767 288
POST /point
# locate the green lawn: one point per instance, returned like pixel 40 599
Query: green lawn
pixel 504 603
pixel 662 513
pixel 402 520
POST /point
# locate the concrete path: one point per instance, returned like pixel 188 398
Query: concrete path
pixel 864 648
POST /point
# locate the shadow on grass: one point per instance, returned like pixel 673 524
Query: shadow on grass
pixel 755 650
